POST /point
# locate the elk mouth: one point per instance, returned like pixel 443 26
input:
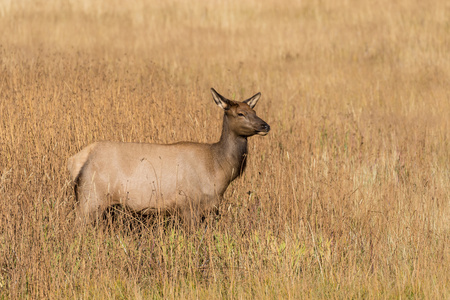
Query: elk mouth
pixel 265 128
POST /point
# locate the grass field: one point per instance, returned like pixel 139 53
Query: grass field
pixel 347 197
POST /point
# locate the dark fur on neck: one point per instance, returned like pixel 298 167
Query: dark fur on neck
pixel 233 150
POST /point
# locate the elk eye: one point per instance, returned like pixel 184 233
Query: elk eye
pixel 241 115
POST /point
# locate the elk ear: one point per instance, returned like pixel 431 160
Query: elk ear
pixel 220 100
pixel 253 100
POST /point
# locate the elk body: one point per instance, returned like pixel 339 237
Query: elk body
pixel 186 176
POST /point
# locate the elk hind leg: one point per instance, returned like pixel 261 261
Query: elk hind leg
pixel 91 206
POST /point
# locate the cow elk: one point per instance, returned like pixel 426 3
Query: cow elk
pixel 187 177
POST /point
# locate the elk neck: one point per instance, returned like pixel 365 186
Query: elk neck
pixel 230 151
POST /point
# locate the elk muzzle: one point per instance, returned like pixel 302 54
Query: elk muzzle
pixel 263 129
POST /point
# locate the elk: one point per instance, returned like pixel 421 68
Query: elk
pixel 187 177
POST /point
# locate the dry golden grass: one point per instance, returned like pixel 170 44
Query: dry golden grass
pixel 347 197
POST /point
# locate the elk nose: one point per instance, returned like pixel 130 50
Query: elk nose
pixel 266 127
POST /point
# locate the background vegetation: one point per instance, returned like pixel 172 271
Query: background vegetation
pixel 347 197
